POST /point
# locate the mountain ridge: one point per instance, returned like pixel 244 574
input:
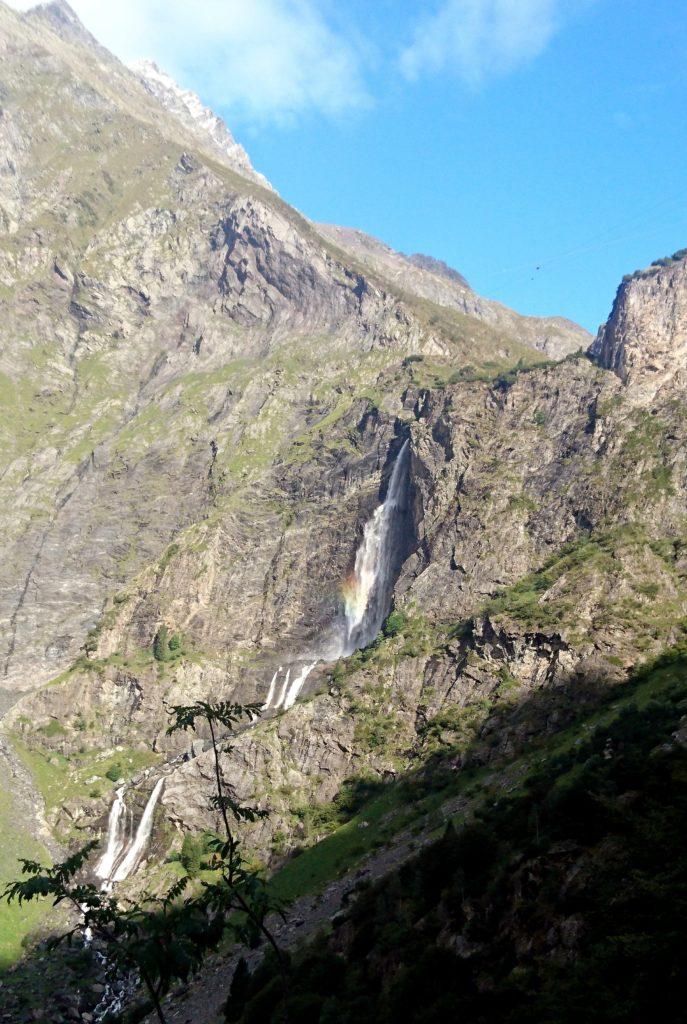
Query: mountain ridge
pixel 205 396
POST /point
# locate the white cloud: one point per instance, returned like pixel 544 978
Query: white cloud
pixel 258 59
pixel 479 39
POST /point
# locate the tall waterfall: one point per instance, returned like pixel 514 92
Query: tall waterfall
pixel 368 590
pixel 123 854
pixel 367 594
pixel 135 852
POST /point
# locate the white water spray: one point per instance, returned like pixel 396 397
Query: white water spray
pixel 290 688
pixel 284 689
pixel 116 864
pixel 122 854
pixel 270 692
pixel 297 685
pixel 368 590
pixel 116 837
pixel 137 849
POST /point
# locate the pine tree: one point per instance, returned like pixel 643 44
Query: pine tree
pixel 161 645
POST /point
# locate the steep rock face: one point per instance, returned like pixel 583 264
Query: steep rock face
pixel 645 339
pixel 548 555
pixel 170 328
pixel 195 117
pixel 586 496
pixel 560 461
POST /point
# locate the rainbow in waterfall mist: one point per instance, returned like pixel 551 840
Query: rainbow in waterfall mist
pixel 354 600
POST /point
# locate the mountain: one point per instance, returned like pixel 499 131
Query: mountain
pixel 196 118
pixel 157 270
pixel 250 457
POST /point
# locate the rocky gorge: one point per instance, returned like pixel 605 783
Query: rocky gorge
pixel 206 400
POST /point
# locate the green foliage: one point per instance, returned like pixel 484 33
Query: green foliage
pixel 17 923
pixel 664 261
pixel 578 565
pixel 166 647
pixel 395 623
pixel 161 645
pixel 374 728
pixel 61 778
pixel 163 938
pixel 114 774
pixel 169 554
pixel 53 728
pixel 194 852
pixel 453 727
pixel 90 644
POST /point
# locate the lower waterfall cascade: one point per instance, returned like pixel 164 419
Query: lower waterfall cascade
pixel 125 849
pixel 118 831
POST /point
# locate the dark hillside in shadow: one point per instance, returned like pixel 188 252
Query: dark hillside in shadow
pixel 565 901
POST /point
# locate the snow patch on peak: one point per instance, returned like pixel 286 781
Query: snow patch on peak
pixel 189 109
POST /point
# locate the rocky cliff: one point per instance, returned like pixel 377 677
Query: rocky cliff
pixel 545 550
pixel 170 327
pixel 203 399
pixel 645 339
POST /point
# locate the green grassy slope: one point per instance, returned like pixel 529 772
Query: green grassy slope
pixel 16 922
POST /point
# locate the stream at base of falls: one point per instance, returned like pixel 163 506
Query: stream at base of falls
pixel 123 854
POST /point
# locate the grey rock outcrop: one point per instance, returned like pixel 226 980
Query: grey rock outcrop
pixel 432 281
pixel 645 339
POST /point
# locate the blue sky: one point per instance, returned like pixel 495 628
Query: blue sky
pixel 538 146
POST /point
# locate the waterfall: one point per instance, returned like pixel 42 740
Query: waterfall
pixel 290 687
pixel 137 849
pixel 284 689
pixel 116 836
pixel 367 592
pixel 297 685
pixel 270 692
pixel 114 867
pixel 118 861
